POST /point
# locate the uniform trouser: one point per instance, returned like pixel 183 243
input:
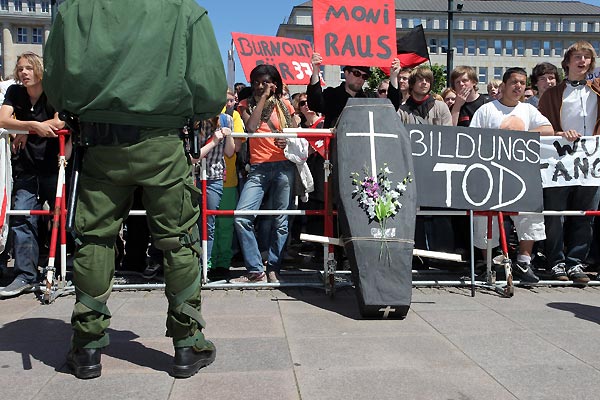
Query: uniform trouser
pixel 109 177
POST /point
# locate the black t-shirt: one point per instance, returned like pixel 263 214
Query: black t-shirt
pixel 329 102
pixel 468 109
pixel 40 155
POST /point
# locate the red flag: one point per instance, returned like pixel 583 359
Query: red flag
pixel 411 48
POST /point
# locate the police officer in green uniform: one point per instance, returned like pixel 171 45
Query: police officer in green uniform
pixel 134 72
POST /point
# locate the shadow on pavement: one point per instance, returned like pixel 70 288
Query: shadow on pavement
pixel 48 340
pixel 583 311
pixel 343 302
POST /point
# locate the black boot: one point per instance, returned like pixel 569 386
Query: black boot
pixel 85 363
pixel 189 360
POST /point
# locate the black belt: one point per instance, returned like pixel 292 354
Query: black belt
pixel 99 133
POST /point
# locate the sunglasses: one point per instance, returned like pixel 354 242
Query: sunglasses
pixel 302 103
pixel 358 74
pixel 382 91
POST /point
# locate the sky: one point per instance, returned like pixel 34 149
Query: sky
pixel 257 17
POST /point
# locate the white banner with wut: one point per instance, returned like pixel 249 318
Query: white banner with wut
pixel 564 163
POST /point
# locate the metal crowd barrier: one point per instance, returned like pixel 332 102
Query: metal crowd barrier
pixel 55 285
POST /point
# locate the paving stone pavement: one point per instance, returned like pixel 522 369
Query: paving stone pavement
pixel 300 344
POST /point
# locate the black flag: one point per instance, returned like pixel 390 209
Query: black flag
pixel 412 48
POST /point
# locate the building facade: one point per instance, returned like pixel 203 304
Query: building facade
pixel 24 26
pixel 489 35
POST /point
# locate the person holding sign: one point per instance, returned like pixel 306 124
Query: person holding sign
pixel 331 101
pixel 399 90
pixel 265 111
pixel 573 109
pixel 511 114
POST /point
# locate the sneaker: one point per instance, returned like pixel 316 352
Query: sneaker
pixel 524 273
pixel 250 278
pixel 17 287
pixel 152 269
pixel 559 273
pixel 576 274
pixel 273 277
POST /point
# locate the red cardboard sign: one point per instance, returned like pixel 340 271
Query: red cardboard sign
pixel 355 32
pixel 290 56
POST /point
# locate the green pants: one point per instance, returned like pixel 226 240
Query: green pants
pixel 109 177
pixel 221 251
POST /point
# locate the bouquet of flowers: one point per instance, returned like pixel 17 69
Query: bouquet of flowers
pixel 377 196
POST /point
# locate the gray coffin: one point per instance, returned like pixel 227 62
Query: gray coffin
pixel 384 284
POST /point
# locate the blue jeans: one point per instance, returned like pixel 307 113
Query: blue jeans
pixel 568 239
pixel 214 192
pixel 276 178
pixel 29 194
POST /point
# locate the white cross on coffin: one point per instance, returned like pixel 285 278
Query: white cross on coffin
pixel 371 135
pixel 386 311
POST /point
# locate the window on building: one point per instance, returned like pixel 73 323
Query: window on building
pixel 591 26
pixel 558 48
pixel 504 25
pixel 566 26
pixel 22 35
pixel 517 25
pixel 471 45
pixel 433 47
pixel 404 23
pixel 520 45
pixel 528 26
pixel 498 47
pixel 508 47
pixel 546 48
pixel 444 45
pixel 443 23
pixel 3 4
pixel 416 21
pixel 553 26
pixel 497 72
pixel 535 47
pixel 483 74
pixel 18 5
pixel 480 25
pixel 492 25
pixel 596 45
pixel 460 46
pixel 37 35
pixel 45 6
pixel 31 5
pixel 483 45
pixel 578 26
pixel 467 24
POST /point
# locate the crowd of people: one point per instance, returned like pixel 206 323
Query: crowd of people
pixel 131 127
pixel 270 173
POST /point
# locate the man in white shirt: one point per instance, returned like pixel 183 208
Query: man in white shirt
pixel 573 108
pixel 510 114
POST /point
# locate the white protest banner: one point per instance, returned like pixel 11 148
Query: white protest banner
pixel 564 163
